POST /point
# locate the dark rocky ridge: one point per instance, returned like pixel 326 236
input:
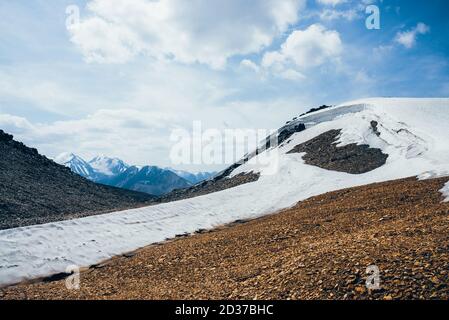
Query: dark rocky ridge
pixel 316 109
pixel 209 186
pixel 36 190
pixel 280 137
pixel 222 181
pixel 286 132
pixel 322 151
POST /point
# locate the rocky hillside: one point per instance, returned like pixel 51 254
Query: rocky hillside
pixel 320 249
pixel 35 190
pixel 353 144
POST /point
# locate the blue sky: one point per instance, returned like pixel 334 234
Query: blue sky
pixel 130 72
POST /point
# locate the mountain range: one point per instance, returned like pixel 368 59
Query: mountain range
pixel 115 172
pixel 397 147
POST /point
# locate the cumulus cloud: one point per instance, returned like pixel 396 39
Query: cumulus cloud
pixel 331 14
pixel 187 31
pixel 304 49
pixel 129 134
pixel 11 123
pixel 142 137
pixel 105 42
pixel 331 2
pixel 408 38
pixel 291 74
pixel 134 122
pixel 245 63
pixel 368 2
pixel 46 94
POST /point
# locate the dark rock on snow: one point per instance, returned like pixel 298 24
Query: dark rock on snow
pixel 322 151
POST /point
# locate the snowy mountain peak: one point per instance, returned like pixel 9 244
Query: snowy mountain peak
pixel 65 157
pixel 75 163
pixel 149 179
pixel 108 166
pixel 115 172
pixel 411 131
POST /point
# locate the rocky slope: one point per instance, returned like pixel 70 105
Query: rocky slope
pixel 319 249
pixel 209 186
pixel 35 190
pixel 381 139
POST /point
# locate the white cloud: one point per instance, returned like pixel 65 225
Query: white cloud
pixel 305 49
pixel 362 77
pixel 331 2
pixel 10 123
pixel 330 14
pixel 368 2
pixel 245 63
pixel 130 134
pixel 381 52
pixel 142 137
pixel 408 38
pixel 46 94
pixel 105 42
pixel 291 74
pixel 204 31
pixel 136 126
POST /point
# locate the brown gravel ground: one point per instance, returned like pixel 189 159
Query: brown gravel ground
pixel 319 249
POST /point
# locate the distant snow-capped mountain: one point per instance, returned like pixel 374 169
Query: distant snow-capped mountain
pixel 193 178
pixel 76 164
pixel 115 172
pixel 150 179
pixel 108 166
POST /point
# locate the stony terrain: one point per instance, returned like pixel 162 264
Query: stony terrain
pixel 208 186
pixel 319 249
pixel 322 151
pixel 35 190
